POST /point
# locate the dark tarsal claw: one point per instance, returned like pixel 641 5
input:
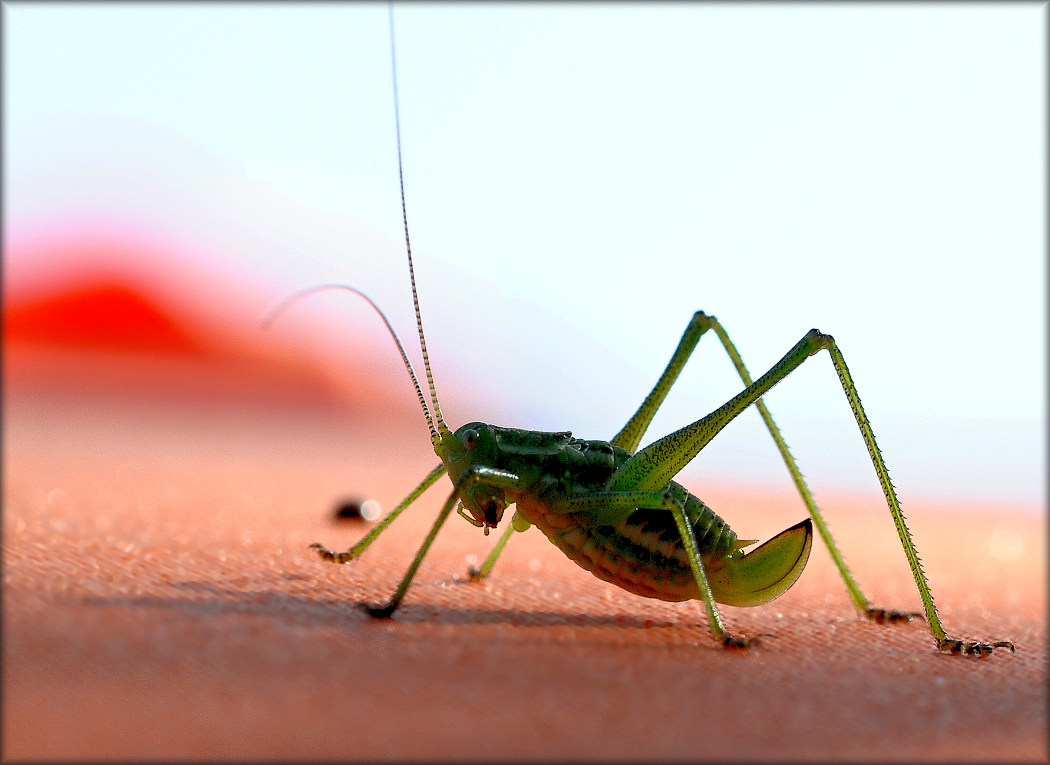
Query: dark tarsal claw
pixel 973 648
pixel 333 557
pixel 883 615
pixel 379 612
pixel 739 643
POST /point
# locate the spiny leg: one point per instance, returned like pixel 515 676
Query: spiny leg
pixel 473 476
pixel 385 611
pixel 364 543
pixel 631 434
pixel 659 462
pixel 367 540
pixel 713 617
pixel 880 615
pixel 945 643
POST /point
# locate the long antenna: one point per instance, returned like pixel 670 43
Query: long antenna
pixel 408 243
pixel 271 316
pixel 273 313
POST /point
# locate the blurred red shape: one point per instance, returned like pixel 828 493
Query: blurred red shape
pixel 103 316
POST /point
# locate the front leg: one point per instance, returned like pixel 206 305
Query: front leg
pixel 472 477
pixel 348 555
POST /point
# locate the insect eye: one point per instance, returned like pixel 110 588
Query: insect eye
pixel 470 440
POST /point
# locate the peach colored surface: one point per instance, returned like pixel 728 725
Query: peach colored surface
pixel 160 602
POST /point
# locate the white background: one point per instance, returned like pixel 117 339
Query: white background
pixel 580 179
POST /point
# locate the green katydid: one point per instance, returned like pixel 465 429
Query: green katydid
pixel 617 512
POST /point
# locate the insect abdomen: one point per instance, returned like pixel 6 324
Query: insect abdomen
pixel 644 554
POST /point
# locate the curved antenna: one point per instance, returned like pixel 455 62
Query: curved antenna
pixel 408 244
pixel 271 316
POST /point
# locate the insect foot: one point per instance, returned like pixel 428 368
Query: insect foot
pixel 737 643
pixel 883 615
pixel 333 557
pixel 972 647
pixel 380 612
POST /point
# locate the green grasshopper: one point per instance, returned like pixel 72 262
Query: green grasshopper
pixel 617 512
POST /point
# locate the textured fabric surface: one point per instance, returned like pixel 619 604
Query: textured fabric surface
pixel 160 601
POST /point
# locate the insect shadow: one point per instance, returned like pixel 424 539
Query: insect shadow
pixel 206 600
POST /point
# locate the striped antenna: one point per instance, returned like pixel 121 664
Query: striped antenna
pixel 408 245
